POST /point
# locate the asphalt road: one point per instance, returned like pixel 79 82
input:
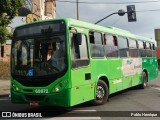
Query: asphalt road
pixel 131 104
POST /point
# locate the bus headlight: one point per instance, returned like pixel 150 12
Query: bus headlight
pixel 15 88
pixel 56 89
pixel 60 86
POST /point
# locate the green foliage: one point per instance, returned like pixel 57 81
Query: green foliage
pixel 8 10
pixel 4 34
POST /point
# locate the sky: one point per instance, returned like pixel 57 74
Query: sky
pixel 148 17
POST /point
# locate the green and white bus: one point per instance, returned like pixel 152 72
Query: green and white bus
pixel 65 62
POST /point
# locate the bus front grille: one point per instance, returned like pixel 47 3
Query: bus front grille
pixel 35 97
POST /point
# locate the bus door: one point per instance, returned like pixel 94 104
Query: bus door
pixel 82 87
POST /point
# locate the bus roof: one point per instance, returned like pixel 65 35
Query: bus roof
pixel 144 38
pixel 94 27
pixel 108 29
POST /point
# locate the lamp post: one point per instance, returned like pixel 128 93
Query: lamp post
pixel 77 11
pixel 120 13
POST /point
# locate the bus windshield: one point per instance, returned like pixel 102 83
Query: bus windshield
pixel 38 54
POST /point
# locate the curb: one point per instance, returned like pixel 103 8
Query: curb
pixel 5 95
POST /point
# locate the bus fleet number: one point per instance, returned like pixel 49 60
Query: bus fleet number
pixel 41 90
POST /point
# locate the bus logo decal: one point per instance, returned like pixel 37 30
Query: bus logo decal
pixel 30 72
pixel 131 66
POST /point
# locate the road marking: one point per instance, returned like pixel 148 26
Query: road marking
pixel 156 88
pixel 83 111
pixel 75 118
pixel 4 99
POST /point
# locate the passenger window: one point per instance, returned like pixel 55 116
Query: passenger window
pixel 96 46
pixel 148 50
pixel 95 38
pixel 133 50
pixel 153 46
pixel 153 50
pixel 110 45
pixel 141 46
pixel 123 47
pixel 147 45
pixel 79 51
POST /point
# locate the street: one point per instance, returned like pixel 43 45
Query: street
pixel 128 104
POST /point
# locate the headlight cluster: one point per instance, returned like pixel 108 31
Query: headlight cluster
pixel 60 86
pixel 15 88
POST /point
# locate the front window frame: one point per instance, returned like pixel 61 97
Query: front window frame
pixel 34 80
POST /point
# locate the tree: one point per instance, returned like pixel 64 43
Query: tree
pixel 8 10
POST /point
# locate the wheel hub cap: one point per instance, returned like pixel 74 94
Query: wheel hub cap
pixel 100 92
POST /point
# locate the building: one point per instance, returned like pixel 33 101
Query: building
pixel 157 37
pixel 5 56
pixel 41 10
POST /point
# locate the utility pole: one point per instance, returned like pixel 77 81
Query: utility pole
pixel 77 11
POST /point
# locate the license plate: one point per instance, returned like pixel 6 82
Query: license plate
pixel 34 104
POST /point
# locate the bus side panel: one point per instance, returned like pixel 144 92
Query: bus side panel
pixel 111 68
pixel 82 85
pixel 127 82
pixel 132 70
pixel 150 64
pixel 136 79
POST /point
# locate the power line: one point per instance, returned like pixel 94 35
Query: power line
pixel 136 11
pixel 67 1
pixel 149 10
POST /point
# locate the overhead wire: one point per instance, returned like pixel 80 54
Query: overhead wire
pixel 82 2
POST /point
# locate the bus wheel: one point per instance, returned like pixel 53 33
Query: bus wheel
pixel 144 80
pixel 101 93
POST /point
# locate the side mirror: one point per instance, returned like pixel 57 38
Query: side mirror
pixel 79 38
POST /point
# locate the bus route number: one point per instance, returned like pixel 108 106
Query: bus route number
pixel 41 91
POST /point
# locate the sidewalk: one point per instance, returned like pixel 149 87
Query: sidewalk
pixel 4 87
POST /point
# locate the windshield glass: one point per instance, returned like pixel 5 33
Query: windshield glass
pixel 39 55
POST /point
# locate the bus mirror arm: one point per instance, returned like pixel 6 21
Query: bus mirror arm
pixel 73 28
pixel 78 35
pixel 79 38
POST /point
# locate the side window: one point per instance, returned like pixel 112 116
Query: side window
pixel 95 38
pixel 79 50
pixel 147 45
pixel 123 47
pixel 110 45
pixel 141 47
pixel 153 50
pixel 153 46
pixel 96 46
pixel 98 38
pixel 148 50
pixel 133 50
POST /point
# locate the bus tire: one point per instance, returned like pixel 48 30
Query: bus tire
pixel 144 80
pixel 101 93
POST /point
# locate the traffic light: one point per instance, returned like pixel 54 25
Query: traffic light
pixel 131 13
pixel 2 51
